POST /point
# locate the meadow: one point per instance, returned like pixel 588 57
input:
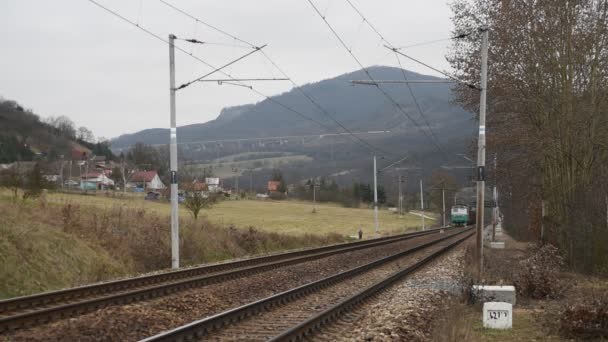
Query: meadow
pixel 286 217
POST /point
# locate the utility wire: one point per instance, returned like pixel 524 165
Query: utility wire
pixel 241 84
pixel 114 13
pixel 470 85
pixel 390 98
pixel 294 84
pixel 220 68
pixel 428 42
pixel 432 132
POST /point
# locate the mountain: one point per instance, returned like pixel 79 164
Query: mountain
pixel 360 108
pixel 250 141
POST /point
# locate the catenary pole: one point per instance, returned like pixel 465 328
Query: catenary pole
pixel 422 204
pixel 375 197
pixel 481 151
pixel 173 158
pixel 495 205
pixel 443 202
pixel 400 198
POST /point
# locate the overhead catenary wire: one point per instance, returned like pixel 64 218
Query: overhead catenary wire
pixel 430 129
pixel 429 42
pixel 222 67
pixel 296 86
pixel 241 84
pixel 390 98
pixel 470 85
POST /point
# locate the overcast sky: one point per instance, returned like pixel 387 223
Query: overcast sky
pixel 70 57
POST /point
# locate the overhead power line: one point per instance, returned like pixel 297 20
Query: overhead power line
pixel 222 67
pixel 215 70
pixel 390 98
pixel 428 42
pixel 294 84
pixel 409 87
pixel 470 85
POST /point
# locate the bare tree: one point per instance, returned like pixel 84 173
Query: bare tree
pixel 196 201
pixel 547 112
pixel 85 134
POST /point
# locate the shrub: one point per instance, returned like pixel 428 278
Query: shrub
pixel 585 320
pixel 539 276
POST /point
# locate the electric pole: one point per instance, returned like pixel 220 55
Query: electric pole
pixel 422 204
pixel 495 200
pixel 400 198
pixel 375 197
pixel 443 202
pixel 481 150
pixel 173 158
pixel 314 195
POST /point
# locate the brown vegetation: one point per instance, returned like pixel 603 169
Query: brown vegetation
pixel 586 318
pixel 547 116
pixel 538 276
pixel 136 239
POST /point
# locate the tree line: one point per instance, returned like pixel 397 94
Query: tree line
pixel 547 116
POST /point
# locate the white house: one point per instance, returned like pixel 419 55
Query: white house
pixel 213 184
pixel 97 180
pixel 147 179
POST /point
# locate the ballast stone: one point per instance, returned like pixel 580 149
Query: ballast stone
pixel 494 293
pixel 497 315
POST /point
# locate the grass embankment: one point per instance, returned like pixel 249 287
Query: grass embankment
pixel 51 244
pixel 290 217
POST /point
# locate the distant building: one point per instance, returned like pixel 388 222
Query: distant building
pixel 95 180
pixel 213 184
pixel 273 186
pixel 195 186
pixel 145 179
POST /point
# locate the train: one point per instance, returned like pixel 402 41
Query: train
pixel 462 215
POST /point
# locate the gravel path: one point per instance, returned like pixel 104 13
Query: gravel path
pixel 403 312
pixel 136 321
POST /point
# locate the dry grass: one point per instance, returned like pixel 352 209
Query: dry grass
pixel 290 217
pixel 53 244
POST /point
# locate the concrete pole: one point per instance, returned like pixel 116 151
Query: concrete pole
pixel 61 173
pixel 400 198
pixel 481 151
pixel 422 204
pixel 173 159
pixel 314 196
pixel 251 181
pixel 495 207
pixel 443 201
pixel 375 197
pixel 70 175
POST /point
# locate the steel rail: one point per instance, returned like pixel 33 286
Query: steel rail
pixel 39 308
pixel 326 317
pixel 198 329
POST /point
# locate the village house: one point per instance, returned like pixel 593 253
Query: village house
pixel 213 184
pixel 96 181
pixel 273 186
pixel 145 180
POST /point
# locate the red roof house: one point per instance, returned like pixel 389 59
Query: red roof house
pixel 147 179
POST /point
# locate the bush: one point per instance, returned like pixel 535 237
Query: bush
pixel 539 276
pixel 586 320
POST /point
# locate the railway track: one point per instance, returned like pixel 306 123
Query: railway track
pixel 45 307
pixel 296 313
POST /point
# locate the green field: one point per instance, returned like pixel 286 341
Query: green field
pixel 292 217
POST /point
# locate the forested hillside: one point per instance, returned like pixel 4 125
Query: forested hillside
pixel 25 137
